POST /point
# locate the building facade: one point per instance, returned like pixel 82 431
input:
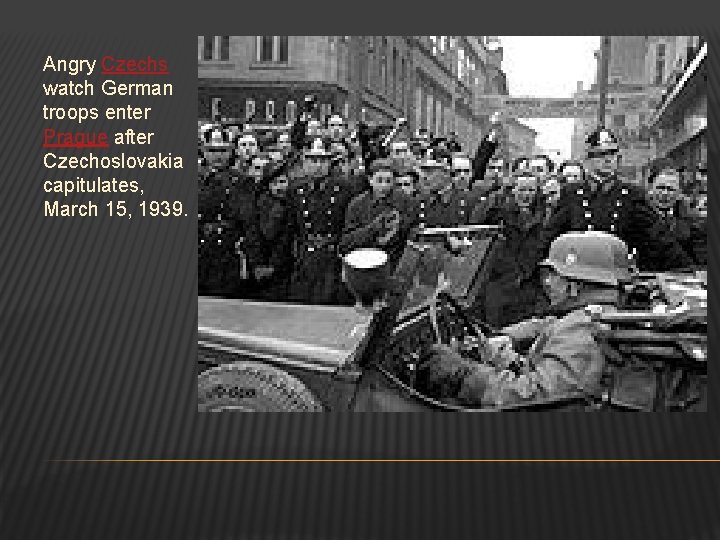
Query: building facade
pixel 430 80
pixel 628 80
pixel 679 124
pixel 519 140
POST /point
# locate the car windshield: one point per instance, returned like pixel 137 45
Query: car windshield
pixel 454 266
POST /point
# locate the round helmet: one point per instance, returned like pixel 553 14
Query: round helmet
pixel 594 256
pixel 600 142
pixel 215 136
pixel 318 149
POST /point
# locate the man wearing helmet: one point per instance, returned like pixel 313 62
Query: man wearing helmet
pixel 571 172
pixel 220 265
pixel 605 203
pixel 583 269
pixel 336 128
pixel 316 205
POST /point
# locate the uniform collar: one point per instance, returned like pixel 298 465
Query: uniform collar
pixel 604 297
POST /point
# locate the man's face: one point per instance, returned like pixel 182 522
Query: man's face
pixel 434 179
pixel 342 166
pixel 461 172
pixel 257 169
pixel 382 182
pixel 406 184
pixel 316 166
pixel 540 168
pixel 217 156
pixel 666 190
pixel 551 191
pixel 279 185
pixel 602 167
pixel 495 172
pixel 556 287
pixel 336 128
pixel 573 174
pixel 399 150
pixel 247 147
pixel 283 143
pixel 525 191
pixel 313 128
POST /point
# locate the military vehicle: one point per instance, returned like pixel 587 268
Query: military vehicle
pixel 263 356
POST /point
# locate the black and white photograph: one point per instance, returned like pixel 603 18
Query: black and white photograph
pixel 452 223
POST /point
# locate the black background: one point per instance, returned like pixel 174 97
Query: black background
pixel 99 318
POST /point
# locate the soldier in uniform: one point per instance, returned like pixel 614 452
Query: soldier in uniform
pixel 583 269
pixel 451 203
pixel 571 172
pixel 381 217
pixel 337 130
pixel 408 181
pixel 317 204
pixel 688 227
pixel 606 203
pixel 220 265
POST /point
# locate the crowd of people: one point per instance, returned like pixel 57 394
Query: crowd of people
pixel 278 213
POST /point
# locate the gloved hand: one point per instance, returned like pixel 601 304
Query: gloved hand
pixel 262 272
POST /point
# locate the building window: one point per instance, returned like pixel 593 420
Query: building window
pixel 224 47
pixel 265 50
pixel 249 108
pixel 271 49
pixel 618 120
pixel 461 64
pixel 270 110
pixel 659 72
pixel 215 112
pixel 395 67
pixel 383 66
pixel 283 47
pixel 290 112
pixel 208 46
pixel 215 48
pixel 402 84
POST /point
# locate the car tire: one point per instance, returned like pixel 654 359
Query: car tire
pixel 253 387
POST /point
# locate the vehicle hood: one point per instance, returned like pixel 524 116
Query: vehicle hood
pixel 305 336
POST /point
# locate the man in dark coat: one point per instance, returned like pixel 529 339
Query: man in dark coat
pixel 317 202
pixel 221 265
pixel 381 217
pixel 274 263
pixel 514 290
pixel 687 227
pixel 606 203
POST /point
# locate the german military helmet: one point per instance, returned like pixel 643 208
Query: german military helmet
pixel 318 149
pixel 593 256
pixel 217 137
pixel 601 142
